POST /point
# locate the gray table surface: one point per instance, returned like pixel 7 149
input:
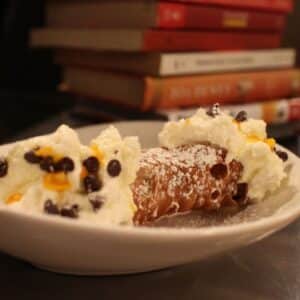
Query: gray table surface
pixel 269 269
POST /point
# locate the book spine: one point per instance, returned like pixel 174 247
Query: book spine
pixel 179 64
pixel 165 93
pixel 272 112
pixel 172 15
pixel 269 5
pixel 155 40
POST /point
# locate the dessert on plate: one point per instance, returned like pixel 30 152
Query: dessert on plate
pixel 208 162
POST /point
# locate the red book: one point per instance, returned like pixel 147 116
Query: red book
pixel 143 14
pixel 270 5
pixel 152 40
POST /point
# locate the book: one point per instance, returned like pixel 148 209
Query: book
pixel 270 5
pixel 272 112
pixel 152 40
pixel 148 93
pixel 168 64
pixel 143 14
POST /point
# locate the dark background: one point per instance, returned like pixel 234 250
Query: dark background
pixel 28 78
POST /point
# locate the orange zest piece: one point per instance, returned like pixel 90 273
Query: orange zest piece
pixel 44 151
pixel 253 139
pixel 57 182
pixel 238 124
pixel 83 172
pixel 188 121
pixel 271 142
pixel 98 153
pixel 13 198
pixel 47 151
pixel 133 207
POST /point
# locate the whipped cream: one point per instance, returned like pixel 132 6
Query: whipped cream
pixel 22 175
pixel 105 197
pixel 245 141
pixel 119 207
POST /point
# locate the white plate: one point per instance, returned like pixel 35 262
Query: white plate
pixel 75 247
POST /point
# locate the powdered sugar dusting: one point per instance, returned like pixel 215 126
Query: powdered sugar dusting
pixel 198 155
pixel 180 163
pixel 180 179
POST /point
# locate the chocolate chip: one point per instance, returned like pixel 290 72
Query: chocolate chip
pixel 241 116
pixel 75 206
pixel 210 113
pixel 71 212
pixel 214 110
pixel 96 202
pixel 3 167
pixel 51 208
pixel 215 195
pixel 241 194
pixel 92 164
pixel 65 164
pixel 282 155
pixel 32 158
pixel 114 168
pixel 92 183
pixel 47 164
pixel 219 171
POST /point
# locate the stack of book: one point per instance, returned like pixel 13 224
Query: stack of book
pixel 162 59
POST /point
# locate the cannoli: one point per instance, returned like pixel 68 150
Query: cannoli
pixel 209 161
